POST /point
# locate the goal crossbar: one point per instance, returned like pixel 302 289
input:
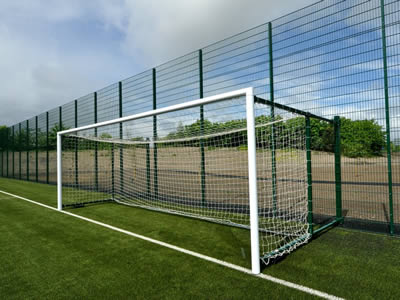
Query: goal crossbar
pixel 248 92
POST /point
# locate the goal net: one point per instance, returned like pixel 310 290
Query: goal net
pixel 207 159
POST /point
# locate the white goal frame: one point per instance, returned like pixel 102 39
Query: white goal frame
pixel 248 93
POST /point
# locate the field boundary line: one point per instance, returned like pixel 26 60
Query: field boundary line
pixel 189 252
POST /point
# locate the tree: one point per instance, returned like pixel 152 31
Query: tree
pixel 395 147
pixel 362 138
pixel 4 140
pixel 359 138
pixel 53 135
pixel 105 135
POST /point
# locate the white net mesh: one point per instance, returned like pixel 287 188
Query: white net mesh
pixel 182 163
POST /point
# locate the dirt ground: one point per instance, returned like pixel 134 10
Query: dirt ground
pixel 364 188
pixel 364 180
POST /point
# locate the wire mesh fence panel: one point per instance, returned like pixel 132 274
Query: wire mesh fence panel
pixel 14 163
pixel 86 115
pixel 16 151
pixel 3 158
pixel 68 115
pixel 177 81
pixel 107 108
pixel 108 103
pixel 10 157
pixel 330 58
pixel 238 62
pixel 137 94
pixel 22 141
pixel 69 112
pixel 6 170
pixel 327 60
pixel 31 147
pixel 42 147
pixel 392 9
pixel 86 110
pixel 53 128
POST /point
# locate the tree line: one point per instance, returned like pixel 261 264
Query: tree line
pixel 359 138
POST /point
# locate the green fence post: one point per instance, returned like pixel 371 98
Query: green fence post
pixel 5 139
pixel 148 176
pixel 202 153
pixel 155 135
pixel 76 144
pixel 309 176
pixel 13 151
pixel 112 173
pixel 387 116
pixel 20 151
pixel 27 150
pixel 273 142
pixel 338 172
pixel 36 150
pixel 96 158
pixel 8 152
pixel 121 135
pixel 47 148
pixel 60 117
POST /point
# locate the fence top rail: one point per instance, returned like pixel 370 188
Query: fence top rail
pixel 242 92
pixel 291 109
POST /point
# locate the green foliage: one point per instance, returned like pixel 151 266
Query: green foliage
pixel 3 137
pixel 362 138
pixel 359 138
pixel 322 136
pixel 395 148
pixel 105 135
pixel 53 135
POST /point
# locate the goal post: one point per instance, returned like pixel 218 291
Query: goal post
pixel 252 165
pixel 234 165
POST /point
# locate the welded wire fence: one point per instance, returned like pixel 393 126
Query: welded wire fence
pixel 331 58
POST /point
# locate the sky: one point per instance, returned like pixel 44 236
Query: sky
pixel 53 52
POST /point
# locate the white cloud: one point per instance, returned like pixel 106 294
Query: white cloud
pixel 55 51
pixel 160 30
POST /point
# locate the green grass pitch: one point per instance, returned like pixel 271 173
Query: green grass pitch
pixel 48 255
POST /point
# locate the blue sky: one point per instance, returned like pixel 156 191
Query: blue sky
pixel 55 51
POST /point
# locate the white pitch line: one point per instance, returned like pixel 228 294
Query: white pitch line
pixel 192 253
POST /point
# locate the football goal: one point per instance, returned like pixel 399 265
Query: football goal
pixel 233 158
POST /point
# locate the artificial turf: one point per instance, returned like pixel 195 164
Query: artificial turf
pixel 48 254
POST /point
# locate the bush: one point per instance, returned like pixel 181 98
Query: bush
pixel 395 148
pixel 362 138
